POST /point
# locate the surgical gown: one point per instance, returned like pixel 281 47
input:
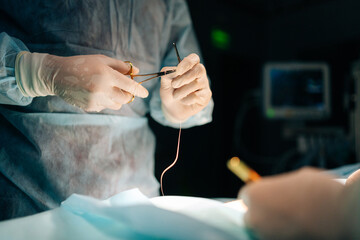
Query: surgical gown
pixel 50 149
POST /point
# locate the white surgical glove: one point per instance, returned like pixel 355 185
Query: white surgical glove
pixel 185 92
pixel 91 82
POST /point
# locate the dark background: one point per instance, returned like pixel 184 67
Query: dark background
pixel 259 31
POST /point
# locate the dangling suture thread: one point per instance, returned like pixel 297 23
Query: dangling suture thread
pixel 178 145
pixel 171 165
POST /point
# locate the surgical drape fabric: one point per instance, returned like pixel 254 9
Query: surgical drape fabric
pixel 50 149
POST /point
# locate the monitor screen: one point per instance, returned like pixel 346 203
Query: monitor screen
pixel 296 90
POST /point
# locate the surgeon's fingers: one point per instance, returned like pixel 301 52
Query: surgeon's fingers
pixel 185 90
pixel 113 99
pixel 115 106
pixel 118 65
pixel 187 63
pixel 109 100
pixel 129 85
pixel 97 102
pixel 120 96
pixel 199 97
pixel 110 104
pixel 170 76
pixel 197 71
pixel 167 79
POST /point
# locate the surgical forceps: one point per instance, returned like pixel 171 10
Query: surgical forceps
pixel 153 75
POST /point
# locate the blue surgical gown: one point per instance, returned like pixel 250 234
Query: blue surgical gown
pixel 50 149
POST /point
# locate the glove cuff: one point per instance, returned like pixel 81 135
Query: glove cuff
pixel 28 67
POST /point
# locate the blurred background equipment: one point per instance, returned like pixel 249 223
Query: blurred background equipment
pixel 298 91
pixel 238 38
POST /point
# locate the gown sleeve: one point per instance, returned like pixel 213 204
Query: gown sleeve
pixel 9 92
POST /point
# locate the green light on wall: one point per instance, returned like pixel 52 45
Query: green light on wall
pixel 220 39
pixel 270 113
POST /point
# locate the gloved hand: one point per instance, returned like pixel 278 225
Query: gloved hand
pixel 185 92
pixel 91 82
pixel 305 204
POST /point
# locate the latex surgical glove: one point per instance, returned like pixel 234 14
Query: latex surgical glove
pixel 306 204
pixel 185 92
pixel 91 82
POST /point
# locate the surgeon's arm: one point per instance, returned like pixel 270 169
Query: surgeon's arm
pixel 91 82
pixel 180 31
pixel 306 204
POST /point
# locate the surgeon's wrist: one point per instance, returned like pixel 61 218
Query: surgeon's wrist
pixel 29 72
